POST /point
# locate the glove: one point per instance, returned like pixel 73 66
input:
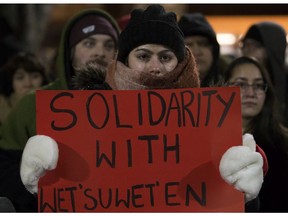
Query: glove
pixel 40 154
pixel 241 166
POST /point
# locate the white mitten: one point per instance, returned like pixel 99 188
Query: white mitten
pixel 40 154
pixel 242 167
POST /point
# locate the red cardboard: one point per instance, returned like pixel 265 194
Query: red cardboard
pixel 139 151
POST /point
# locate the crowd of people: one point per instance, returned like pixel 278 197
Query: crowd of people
pixel 153 50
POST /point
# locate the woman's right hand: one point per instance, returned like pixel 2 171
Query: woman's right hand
pixel 40 154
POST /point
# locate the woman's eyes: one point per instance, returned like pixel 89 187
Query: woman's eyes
pixel 165 58
pixel 143 56
pixel 162 58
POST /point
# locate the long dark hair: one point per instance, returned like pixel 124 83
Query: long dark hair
pixel 266 126
pixel 26 60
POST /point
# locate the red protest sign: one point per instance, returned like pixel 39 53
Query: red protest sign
pixel 139 151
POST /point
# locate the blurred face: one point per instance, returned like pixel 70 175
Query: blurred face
pixel 23 82
pixel 248 77
pixel 99 48
pixel 152 58
pixel 203 52
pixel 254 49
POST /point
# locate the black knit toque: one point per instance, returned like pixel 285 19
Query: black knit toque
pixel 151 26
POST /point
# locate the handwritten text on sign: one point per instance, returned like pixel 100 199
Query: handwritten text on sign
pixel 141 151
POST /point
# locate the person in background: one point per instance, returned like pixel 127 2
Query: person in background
pixel 201 38
pixel 151 55
pixel 266 41
pixel 22 73
pixel 259 117
pixel 89 37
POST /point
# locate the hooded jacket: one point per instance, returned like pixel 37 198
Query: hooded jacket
pixel 193 24
pixel 273 38
pixel 20 125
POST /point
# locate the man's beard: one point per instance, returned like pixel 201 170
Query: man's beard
pixel 99 62
pixel 91 76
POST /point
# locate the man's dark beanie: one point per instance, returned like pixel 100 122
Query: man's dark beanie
pixel 151 26
pixel 90 24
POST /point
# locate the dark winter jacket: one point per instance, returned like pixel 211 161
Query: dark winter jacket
pixel 274 192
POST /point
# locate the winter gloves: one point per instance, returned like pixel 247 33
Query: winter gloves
pixel 242 167
pixel 40 154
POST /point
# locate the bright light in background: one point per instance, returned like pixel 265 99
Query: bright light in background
pixel 226 39
pixel 227 42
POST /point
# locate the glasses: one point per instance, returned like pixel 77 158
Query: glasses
pixel 258 88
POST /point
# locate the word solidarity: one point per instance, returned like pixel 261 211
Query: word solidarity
pixel 153 109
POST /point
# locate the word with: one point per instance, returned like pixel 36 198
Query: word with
pixel 149 141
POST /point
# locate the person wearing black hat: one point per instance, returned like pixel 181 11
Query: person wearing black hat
pixel 89 37
pixel 201 38
pixel 152 55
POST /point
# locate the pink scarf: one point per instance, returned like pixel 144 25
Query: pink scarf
pixel 185 75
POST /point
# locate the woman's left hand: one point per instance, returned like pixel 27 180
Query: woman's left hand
pixel 242 167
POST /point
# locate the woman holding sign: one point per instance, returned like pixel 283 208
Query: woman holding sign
pixel 152 55
pixel 260 119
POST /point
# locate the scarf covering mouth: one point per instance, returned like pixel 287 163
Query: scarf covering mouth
pixel 185 75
